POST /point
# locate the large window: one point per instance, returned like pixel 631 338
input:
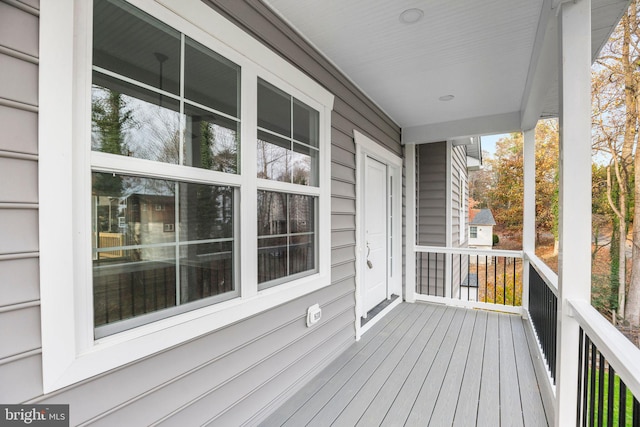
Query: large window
pixel 159 246
pixel 288 135
pixel 158 222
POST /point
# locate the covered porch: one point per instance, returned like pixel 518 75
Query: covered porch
pixel 429 364
pixel 574 368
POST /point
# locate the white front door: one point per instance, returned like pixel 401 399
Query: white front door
pixel 376 249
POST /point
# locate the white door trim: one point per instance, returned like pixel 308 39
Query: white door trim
pixel 366 147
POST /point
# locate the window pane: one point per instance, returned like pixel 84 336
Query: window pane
pixel 305 123
pixel 272 213
pixel 274 157
pixel 132 121
pixel 131 211
pixel 272 259
pixel 290 218
pixel 210 79
pixel 205 270
pixel 130 283
pixel 301 254
pixel 206 212
pixel 133 44
pixel 211 141
pixel 304 161
pixel 274 109
pixel 301 213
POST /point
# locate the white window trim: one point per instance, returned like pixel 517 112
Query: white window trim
pixel 69 351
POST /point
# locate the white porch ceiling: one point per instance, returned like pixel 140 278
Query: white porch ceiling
pixel 485 53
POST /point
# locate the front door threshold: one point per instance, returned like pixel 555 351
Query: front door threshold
pixel 371 314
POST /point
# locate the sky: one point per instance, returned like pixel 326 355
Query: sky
pixel 489 142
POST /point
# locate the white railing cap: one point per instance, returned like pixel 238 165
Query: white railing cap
pixel 616 348
pixel 469 251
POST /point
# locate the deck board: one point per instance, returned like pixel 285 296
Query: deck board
pixel 467 402
pixel 426 364
pixel 378 408
pixel 510 405
pixel 490 380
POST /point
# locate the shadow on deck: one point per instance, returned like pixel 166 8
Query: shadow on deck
pixel 426 364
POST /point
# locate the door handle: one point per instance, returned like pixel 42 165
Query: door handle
pixel 369 263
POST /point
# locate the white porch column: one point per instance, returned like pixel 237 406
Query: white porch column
pixel 574 278
pixel 410 221
pixel 529 209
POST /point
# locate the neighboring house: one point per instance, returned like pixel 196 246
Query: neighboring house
pixel 481 224
pixel 273 174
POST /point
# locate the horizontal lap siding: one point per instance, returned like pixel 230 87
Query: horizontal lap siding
pixel 20 361
pixel 432 193
pixel 236 374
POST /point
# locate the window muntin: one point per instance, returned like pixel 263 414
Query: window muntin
pixel 287 242
pixel 138 82
pixel 141 264
pixel 473 232
pixel 288 138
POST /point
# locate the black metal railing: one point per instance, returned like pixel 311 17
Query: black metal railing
pixel 430 273
pixel 543 310
pixel 479 278
pixel 603 398
pixel 123 290
pixel 276 262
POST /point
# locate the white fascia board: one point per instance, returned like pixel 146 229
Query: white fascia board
pixel 485 125
pixel 542 69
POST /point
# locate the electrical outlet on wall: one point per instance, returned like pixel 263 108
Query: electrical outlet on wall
pixel 314 314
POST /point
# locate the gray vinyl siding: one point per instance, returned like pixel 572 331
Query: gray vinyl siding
pixel 236 374
pixel 431 160
pixel 20 361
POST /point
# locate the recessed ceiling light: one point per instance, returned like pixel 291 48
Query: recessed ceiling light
pixel 411 16
pixel 446 97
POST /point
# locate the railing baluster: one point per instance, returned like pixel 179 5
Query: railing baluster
pixel 585 391
pixel 622 402
pixel 610 394
pixel 580 368
pixel 592 386
pixel 600 388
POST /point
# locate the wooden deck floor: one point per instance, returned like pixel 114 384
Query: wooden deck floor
pixel 426 365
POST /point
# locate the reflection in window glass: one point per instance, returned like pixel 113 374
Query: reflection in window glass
pixel 305 123
pixel 136 99
pixel 141 263
pixel 288 133
pixel 211 80
pixel 274 109
pixel 206 269
pixel 286 236
pixel 131 121
pixel 274 157
pixel 206 212
pixel 131 43
pixel 211 141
